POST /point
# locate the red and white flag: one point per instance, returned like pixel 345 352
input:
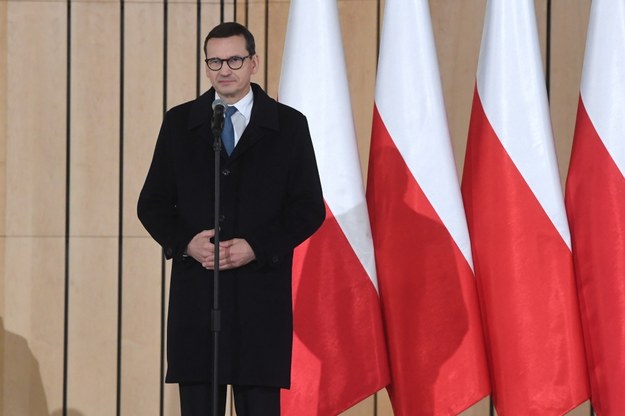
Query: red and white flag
pixel 595 200
pixel 423 253
pixel 339 352
pixel 518 226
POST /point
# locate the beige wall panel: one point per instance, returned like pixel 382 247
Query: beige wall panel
pixel 141 328
pixel 36 97
pixel 364 408
pixel 92 344
pixel 230 402
pixel 141 273
pixel 3 131
pixel 359 31
pixel 457 30
pixel 3 120
pixel 240 11
pixel 256 25
pixel 581 410
pixel 568 42
pixel 481 408
pixel 94 194
pixel 33 213
pixel 384 407
pixel 172 399
pixel 231 11
pixel 95 56
pixel 32 326
pixel 211 14
pixel 141 320
pixel 181 56
pixel 278 19
pixel 3 333
pixel 143 101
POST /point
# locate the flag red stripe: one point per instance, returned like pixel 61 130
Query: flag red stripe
pixel 428 293
pixel 595 198
pixel 526 285
pixel 338 326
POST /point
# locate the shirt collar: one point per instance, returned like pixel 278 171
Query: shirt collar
pixel 244 105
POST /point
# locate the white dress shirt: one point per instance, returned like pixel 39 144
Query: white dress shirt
pixel 241 118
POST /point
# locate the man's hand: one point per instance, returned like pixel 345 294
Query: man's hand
pixel 237 253
pixel 232 253
pixel 201 248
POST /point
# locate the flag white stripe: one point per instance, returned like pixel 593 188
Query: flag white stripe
pixel 505 72
pixel 410 101
pixel 321 67
pixel 603 76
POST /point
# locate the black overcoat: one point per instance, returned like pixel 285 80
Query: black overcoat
pixel 271 197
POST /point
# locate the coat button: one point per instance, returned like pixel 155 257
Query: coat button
pixel 225 172
pixel 275 259
pixel 222 218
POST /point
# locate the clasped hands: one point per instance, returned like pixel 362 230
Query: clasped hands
pixel 232 253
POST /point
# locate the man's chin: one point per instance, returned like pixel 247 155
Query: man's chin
pixel 226 92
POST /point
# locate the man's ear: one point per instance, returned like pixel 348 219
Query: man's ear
pixel 255 63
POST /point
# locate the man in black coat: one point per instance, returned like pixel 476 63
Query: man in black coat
pixel 271 201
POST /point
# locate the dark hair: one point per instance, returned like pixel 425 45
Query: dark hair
pixel 228 29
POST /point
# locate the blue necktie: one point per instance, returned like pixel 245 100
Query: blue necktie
pixel 227 136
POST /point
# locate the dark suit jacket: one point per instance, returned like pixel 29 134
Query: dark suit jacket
pixel 270 196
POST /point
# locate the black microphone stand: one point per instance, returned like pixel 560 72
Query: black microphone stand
pixel 217 127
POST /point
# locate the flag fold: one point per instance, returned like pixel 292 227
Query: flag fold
pixel 518 227
pixel 339 352
pixel 595 201
pixel 423 253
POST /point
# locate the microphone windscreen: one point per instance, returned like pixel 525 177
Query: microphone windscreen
pixel 218 102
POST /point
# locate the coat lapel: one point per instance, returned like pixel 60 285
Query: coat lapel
pixel 200 118
pixel 263 120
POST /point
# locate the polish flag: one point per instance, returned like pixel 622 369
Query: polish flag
pixel 339 352
pixel 518 226
pixel 595 200
pixel 423 253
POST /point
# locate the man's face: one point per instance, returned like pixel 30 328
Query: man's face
pixel 230 84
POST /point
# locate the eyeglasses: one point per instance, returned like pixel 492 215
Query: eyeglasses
pixel 234 62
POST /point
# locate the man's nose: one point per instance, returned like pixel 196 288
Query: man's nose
pixel 225 69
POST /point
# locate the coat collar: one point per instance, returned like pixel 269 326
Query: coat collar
pixel 264 118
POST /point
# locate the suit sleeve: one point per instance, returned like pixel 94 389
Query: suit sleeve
pixel 156 207
pixel 304 208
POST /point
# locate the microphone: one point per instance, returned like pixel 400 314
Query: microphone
pixel 217 123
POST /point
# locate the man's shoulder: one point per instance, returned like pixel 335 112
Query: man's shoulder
pixel 273 114
pixel 289 111
pixel 286 112
pixel 261 98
